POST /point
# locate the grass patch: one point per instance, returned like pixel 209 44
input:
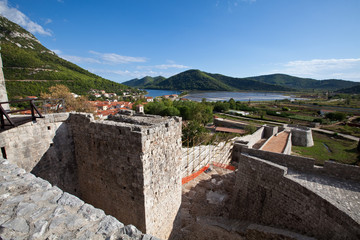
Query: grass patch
pixel 345 129
pixel 338 149
pixel 302 117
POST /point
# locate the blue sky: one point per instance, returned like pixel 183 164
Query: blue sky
pixel 124 39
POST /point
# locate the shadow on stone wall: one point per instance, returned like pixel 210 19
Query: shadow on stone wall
pixel 58 165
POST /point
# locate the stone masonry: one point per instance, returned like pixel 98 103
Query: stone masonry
pixel 134 161
pixel 31 208
pixel 45 148
pixel 307 203
pixel 3 93
pixel 128 167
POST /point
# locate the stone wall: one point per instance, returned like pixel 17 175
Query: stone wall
pixel 129 167
pixel 294 162
pixel 31 208
pixel 250 140
pixel 195 158
pixel 263 194
pixel 162 176
pixel 221 122
pixel 333 169
pixel 270 131
pixel 3 93
pixel 45 147
pixel 301 136
pixel 288 146
pixel 134 162
pixel 343 171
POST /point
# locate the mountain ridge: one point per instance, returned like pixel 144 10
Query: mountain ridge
pixel 198 80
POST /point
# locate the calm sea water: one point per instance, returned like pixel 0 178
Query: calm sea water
pixel 237 96
pixel 224 96
pixel 156 93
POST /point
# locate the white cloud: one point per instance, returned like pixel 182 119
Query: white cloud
pixel 20 18
pixel 164 66
pixel 131 74
pixel 58 52
pixel 77 59
pixel 47 21
pixel 346 68
pixel 113 58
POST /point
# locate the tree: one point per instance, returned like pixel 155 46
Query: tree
pixel 232 104
pixel 192 133
pixel 170 111
pixel 336 116
pixel 59 91
pixel 221 106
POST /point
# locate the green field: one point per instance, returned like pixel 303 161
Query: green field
pixel 328 147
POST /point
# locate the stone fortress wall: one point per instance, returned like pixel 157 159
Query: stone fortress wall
pixel 301 136
pixel 31 208
pixel 127 168
pixel 271 194
pixel 3 93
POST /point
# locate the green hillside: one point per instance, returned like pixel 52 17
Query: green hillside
pixel 303 83
pixel 351 90
pixel 194 80
pixel 30 68
pixel 249 84
pixel 148 81
pixel 198 80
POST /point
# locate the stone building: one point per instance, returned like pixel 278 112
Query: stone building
pixel 127 166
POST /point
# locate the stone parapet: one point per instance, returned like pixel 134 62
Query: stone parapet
pixel 133 161
pixel 31 208
pixel 270 194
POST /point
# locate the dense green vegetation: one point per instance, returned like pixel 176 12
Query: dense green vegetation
pixel 351 90
pixel 195 114
pixel 188 110
pixel 304 83
pixel 198 80
pixel 24 58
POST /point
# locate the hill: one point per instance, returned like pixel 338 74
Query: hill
pixel 198 80
pixel 249 84
pixel 351 90
pixel 148 81
pixel 30 68
pixel 304 83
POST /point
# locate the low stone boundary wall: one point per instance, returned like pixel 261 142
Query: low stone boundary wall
pixel 250 140
pixel 46 148
pixel 295 162
pixel 344 171
pixel 221 122
pixel 195 158
pixel 31 208
pixel 288 146
pixel 263 194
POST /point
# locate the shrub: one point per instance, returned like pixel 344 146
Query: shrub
pixel 336 116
